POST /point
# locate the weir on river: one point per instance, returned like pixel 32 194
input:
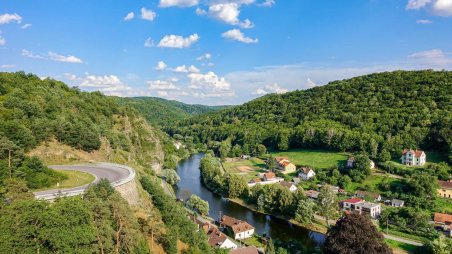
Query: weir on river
pixel 190 175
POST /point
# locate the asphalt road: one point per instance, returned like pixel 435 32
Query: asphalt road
pixel 108 171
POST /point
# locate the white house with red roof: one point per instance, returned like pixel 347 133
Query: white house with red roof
pixel 413 157
pixel 361 206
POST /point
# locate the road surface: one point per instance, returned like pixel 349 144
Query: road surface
pixel 114 173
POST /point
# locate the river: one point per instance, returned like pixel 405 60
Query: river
pixel 190 175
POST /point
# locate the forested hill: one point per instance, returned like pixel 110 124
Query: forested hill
pixel 160 111
pixel 379 113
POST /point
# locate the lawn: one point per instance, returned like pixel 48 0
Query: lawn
pixel 401 246
pixel 313 158
pixel 74 179
pixel 371 183
pixel 247 168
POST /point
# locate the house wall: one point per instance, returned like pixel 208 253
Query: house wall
pixel 445 193
pixel 228 244
pixel 243 235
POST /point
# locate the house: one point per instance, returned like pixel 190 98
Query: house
pixel 268 176
pixel 238 228
pixel 362 194
pixel 245 157
pixel 312 194
pixel 445 189
pixel 306 173
pixel 444 221
pixel 290 185
pixel 296 180
pixel 413 157
pixel 285 165
pixel 245 250
pixel 217 239
pixel 265 178
pixel 351 162
pixel 362 207
pixel 397 203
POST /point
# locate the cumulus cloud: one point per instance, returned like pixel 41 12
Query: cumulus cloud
pixel 177 41
pixel 434 57
pixel 60 58
pixel 129 16
pixel 178 3
pixel 8 18
pixel 210 80
pixel 148 43
pixel 30 54
pixel 310 83
pixel 437 7
pixel 161 66
pixel 226 12
pixel 2 41
pixel 424 21
pixel 107 84
pixel 7 66
pixel 273 88
pixel 148 14
pixel 205 57
pixel 267 3
pixel 185 69
pixel 237 35
pixel 26 26
pixel 161 85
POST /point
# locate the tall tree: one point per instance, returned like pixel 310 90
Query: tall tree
pixel 327 205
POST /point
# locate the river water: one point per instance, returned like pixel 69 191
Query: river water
pixel 190 175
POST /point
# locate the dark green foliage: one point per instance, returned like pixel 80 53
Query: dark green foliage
pixel 164 112
pixel 179 226
pixel 355 233
pixel 409 220
pixel 380 114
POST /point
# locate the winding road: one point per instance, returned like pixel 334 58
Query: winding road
pixel 116 174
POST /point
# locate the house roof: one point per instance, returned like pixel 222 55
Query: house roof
pixel 312 193
pixel 397 201
pixel 286 184
pixel 216 238
pixel 285 163
pixel 368 204
pixel 269 175
pixel 305 170
pixel 353 200
pixel 445 184
pixel 417 153
pixel 278 159
pixel 237 226
pixel 245 250
pixel 256 180
pixel 365 193
pixel 442 217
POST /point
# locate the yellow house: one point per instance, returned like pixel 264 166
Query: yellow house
pixel 445 189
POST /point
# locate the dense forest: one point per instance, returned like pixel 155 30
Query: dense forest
pixel 379 114
pixel 163 112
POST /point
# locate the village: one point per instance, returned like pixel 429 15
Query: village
pixel 229 232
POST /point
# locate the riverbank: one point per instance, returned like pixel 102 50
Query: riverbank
pixel 316 227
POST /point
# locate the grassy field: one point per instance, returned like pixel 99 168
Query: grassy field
pixel 371 183
pixel 313 158
pixel 247 168
pixel 74 179
pixel 400 246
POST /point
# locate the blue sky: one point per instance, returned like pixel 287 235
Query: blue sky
pixel 220 51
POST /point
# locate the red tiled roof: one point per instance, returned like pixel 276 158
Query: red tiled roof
pixel 269 175
pixel 216 238
pixel 278 159
pixel 417 153
pixel 445 184
pixel 245 250
pixel 305 170
pixel 442 217
pixel 352 200
pixel 286 184
pixel 237 226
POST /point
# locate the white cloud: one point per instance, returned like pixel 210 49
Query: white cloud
pixel 60 58
pixel 185 69
pixel 148 43
pixel 129 16
pixel 178 3
pixel 7 66
pixel 310 83
pixel 162 93
pixel 267 3
pixel 434 57
pixel 161 85
pixel 176 41
pixel 208 81
pixel 205 57
pixel 2 41
pixel 30 54
pixel 8 18
pixel 273 88
pixel 237 35
pixel 148 14
pixel 424 21
pixel 437 7
pixel 26 26
pixel 107 84
pixel 161 66
pixel 226 12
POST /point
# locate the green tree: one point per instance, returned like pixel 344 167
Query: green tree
pixel 305 211
pixel 354 233
pixel 441 245
pixel 236 186
pixel 261 150
pixel 172 177
pixel 326 202
pixel 198 205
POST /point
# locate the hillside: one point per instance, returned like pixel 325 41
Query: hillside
pixel 378 113
pixel 162 112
